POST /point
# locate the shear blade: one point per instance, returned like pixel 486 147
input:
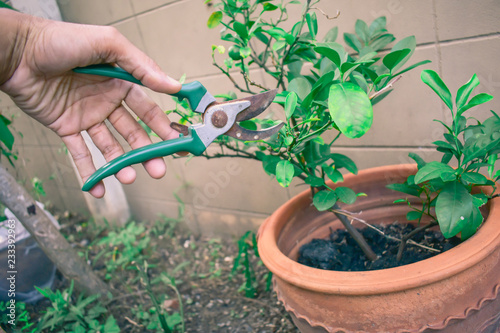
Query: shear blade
pixel 259 103
pixel 244 134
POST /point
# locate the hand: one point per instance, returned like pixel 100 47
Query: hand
pixel 39 79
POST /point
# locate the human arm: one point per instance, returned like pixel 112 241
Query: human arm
pixel 36 71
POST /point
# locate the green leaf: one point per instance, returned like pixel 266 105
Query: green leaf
pixel 453 208
pixel 350 109
pixel 474 222
pixel 346 195
pixel 268 7
pixel 301 86
pixel 382 42
pixel 342 161
pixel 475 101
pixel 419 160
pixel 410 43
pixel 433 170
pixel 347 68
pixel 443 144
pixel 331 35
pixel 324 200
pixel 405 188
pixel 276 32
pixel 5 134
pixel 279 44
pixel 249 124
pixel 333 174
pixel 361 29
pixel 474 178
pixel 314 181
pixel 245 51
pixel 377 26
pixel 290 104
pixel 111 326
pixel 413 215
pixel 284 173
pixel 241 30
pixel 432 79
pixel 393 59
pixel 491 164
pixel 312 23
pixel 269 163
pixel 464 91
pixel 214 19
pixel 330 54
pixel 297 27
pixel 480 146
pixel 353 41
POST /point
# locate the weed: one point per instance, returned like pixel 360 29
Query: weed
pixel 84 314
pixel 123 247
pixel 22 322
pixel 247 244
pixel 157 317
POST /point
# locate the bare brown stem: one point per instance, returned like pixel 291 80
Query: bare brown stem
pixel 328 17
pixel 358 237
pixel 50 240
pixel 409 235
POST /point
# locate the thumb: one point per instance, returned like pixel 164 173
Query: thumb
pixel 113 47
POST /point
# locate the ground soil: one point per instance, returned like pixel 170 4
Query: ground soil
pixel 212 300
pixel 341 253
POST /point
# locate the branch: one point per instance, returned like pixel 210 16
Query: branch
pixel 358 237
pixel 253 83
pixel 387 87
pixel 348 214
pixel 282 65
pixel 406 237
pixel 50 240
pixel 231 78
pixel 328 17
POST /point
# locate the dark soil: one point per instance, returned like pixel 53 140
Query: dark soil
pixel 341 253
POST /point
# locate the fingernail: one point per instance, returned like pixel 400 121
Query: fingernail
pixel 172 81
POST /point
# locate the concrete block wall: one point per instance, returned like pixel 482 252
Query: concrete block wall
pixel 229 196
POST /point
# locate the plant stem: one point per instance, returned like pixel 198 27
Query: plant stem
pixel 231 78
pixel 282 65
pixel 50 240
pixel 409 235
pixel 358 237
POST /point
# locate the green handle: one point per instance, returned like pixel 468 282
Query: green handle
pixel 193 91
pixel 190 143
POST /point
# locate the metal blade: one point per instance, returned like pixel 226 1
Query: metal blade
pixel 260 102
pixel 244 134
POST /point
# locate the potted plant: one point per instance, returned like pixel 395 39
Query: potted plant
pixel 326 89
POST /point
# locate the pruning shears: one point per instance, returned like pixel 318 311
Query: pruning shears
pixel 218 119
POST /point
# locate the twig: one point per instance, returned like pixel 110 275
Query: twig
pixel 406 238
pixel 360 240
pixel 132 322
pixel 253 83
pixel 387 87
pixel 348 214
pixel 328 17
pixel 231 78
pixel 285 56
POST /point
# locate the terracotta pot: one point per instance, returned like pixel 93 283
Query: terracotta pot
pixel 456 291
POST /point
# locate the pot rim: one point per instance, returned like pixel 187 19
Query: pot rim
pixel 439 267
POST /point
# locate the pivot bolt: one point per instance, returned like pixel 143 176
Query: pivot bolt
pixel 219 119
